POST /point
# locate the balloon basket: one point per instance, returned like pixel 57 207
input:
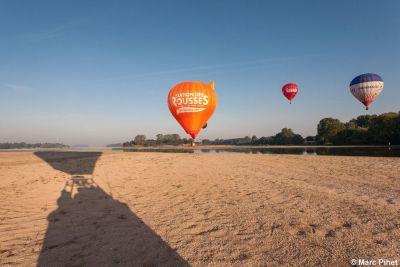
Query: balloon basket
pixel 192 143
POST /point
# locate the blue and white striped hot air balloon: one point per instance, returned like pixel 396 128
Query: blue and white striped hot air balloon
pixel 366 87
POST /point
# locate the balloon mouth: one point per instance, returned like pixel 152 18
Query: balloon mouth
pixel 193 134
pixel 366 104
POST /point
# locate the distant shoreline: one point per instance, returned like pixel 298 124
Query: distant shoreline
pixel 252 147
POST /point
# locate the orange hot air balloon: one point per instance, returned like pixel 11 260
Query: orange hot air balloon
pixel 192 104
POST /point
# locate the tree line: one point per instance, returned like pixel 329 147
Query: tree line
pixel 23 145
pixel 380 129
pixel 364 130
pixel 161 139
pixel 285 137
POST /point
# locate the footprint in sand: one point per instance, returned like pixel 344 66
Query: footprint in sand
pixel 301 233
pixel 330 233
pixel 240 257
pixel 273 228
pixel 381 242
pixel 390 201
pixel 347 225
pixel 313 227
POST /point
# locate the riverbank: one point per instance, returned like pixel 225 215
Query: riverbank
pixel 248 147
pixel 97 208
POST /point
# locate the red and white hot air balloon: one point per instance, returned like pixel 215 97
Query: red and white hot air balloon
pixel 290 90
pixel 366 87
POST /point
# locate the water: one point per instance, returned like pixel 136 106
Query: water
pixel 393 151
pixel 382 151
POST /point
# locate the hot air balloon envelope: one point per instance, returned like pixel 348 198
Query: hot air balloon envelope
pixel 366 87
pixel 290 90
pixel 192 104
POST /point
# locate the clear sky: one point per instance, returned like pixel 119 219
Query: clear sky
pixel 98 72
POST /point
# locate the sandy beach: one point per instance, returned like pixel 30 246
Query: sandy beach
pixel 166 209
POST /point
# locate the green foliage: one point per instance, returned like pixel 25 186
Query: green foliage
pixel 385 128
pixel 114 145
pixel 139 140
pixel 364 121
pixel 24 145
pixel 169 139
pixel 161 139
pixel 310 138
pixel 351 136
pixel 285 137
pixel 327 129
pixel 363 130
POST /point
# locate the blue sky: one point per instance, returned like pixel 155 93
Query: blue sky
pixel 98 72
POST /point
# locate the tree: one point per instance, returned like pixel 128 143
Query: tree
pixel 297 139
pixel 125 144
pixel 363 130
pixel 351 125
pixel 285 137
pixel 310 138
pixel 160 138
pixel 351 136
pixel 171 139
pixel 26 145
pixel 327 129
pixel 206 141
pixel 263 140
pixel 139 140
pixel 395 132
pixel 384 129
pixel 364 120
pixel 243 141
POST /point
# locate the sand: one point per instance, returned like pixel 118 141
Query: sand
pixel 165 209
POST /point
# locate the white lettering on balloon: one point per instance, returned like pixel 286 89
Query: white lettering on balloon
pixel 291 90
pixel 190 102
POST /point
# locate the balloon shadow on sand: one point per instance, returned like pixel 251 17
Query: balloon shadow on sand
pixel 71 162
pixel 90 228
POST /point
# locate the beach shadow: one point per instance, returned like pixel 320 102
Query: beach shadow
pixel 90 228
pixel 71 162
